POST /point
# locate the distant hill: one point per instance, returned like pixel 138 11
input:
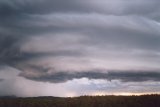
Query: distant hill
pixel 83 101
pixel 1 97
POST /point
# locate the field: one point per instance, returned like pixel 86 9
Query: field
pixel 83 101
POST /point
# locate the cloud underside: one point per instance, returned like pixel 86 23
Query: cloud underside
pixel 1 80
pixel 71 40
pixel 122 76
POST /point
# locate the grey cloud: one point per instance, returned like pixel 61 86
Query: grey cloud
pixel 119 7
pixel 15 15
pixel 124 76
pixel 23 19
pixel 10 53
pixel 58 41
pixel 1 80
pixel 7 47
pixel 134 32
pixel 124 38
pixel 38 7
pixel 9 50
pixel 135 76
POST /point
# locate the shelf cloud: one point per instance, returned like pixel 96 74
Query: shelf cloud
pixel 56 42
pixel 59 77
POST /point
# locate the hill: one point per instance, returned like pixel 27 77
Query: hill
pixel 83 101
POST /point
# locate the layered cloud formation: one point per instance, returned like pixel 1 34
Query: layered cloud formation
pixel 57 41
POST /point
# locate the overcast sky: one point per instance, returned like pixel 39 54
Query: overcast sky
pixel 79 47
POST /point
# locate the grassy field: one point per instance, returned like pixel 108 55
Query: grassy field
pixel 84 101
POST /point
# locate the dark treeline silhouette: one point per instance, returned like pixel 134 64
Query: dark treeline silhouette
pixel 83 101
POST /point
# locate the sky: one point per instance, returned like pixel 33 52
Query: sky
pixel 79 47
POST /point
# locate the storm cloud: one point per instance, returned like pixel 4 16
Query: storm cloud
pixel 131 76
pixel 59 41
pixel 1 80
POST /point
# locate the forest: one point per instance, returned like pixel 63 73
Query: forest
pixel 83 101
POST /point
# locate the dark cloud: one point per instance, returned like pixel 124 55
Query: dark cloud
pixel 8 48
pixel 125 7
pixel 120 7
pixel 39 7
pixel 1 80
pixel 21 20
pixel 57 41
pixel 135 76
pixel 124 76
